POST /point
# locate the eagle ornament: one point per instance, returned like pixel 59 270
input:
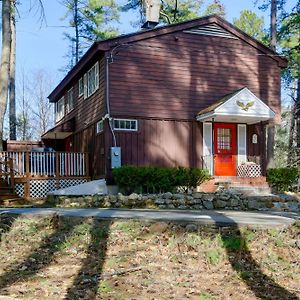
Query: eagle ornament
pixel 245 106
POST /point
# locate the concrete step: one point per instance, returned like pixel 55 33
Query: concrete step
pixel 252 191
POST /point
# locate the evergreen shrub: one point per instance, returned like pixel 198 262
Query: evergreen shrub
pixel 157 179
pixel 282 179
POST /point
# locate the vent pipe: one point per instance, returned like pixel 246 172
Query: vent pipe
pixel 151 9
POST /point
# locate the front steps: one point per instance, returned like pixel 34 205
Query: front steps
pixel 252 186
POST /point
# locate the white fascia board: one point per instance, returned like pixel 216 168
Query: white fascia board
pixel 243 91
pixel 206 116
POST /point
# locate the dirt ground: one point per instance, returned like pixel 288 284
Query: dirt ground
pixel 64 258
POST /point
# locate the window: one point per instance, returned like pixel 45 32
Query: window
pixel 59 109
pixel 80 87
pixel 99 127
pixel 125 124
pixel 91 80
pixel 70 103
pixel 224 139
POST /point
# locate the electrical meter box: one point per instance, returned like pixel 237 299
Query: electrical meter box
pixel 115 154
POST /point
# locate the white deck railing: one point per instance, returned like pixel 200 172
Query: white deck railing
pixel 56 164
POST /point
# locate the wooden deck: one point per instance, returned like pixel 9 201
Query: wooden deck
pixel 34 174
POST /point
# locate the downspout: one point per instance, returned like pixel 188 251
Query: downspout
pixel 213 146
pixel 108 103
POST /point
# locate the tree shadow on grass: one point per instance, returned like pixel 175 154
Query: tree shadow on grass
pixel 249 270
pixel 40 257
pixel 6 222
pixel 85 285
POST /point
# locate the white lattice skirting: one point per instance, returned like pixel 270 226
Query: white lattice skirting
pixel 249 170
pixel 40 188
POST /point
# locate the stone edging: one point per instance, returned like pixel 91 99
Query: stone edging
pixel 220 200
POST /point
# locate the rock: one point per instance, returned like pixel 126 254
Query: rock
pixel 159 201
pixel 189 198
pixel 168 201
pixel 167 195
pixel 293 206
pixel 234 202
pixel 191 228
pixel 106 204
pixel 171 206
pixel 224 196
pixel 208 197
pixel 253 204
pixel 113 198
pixel 182 207
pixel 198 201
pixel 277 206
pixel 198 207
pixel 178 196
pixel 208 204
pixel 220 203
pixel 133 196
pixel 67 201
pixel 158 227
pixel 197 195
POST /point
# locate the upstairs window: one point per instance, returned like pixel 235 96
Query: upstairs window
pixel 125 124
pixel 99 127
pixel 59 109
pixel 80 87
pixel 91 80
pixel 70 103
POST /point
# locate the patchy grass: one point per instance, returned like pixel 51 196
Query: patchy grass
pixel 74 258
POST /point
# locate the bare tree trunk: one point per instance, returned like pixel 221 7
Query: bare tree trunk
pixel 290 157
pixel 273 29
pixel 5 62
pixel 297 115
pixel 271 127
pixel 76 24
pixel 12 83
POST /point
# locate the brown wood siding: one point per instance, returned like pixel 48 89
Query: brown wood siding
pixel 161 143
pixel 259 149
pixel 88 141
pixel 177 75
pixel 86 111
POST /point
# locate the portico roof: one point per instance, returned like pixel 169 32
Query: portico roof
pixel 241 106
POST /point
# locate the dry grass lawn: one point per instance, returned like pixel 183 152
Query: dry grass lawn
pixel 68 258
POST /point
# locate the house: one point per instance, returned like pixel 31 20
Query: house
pixel 197 94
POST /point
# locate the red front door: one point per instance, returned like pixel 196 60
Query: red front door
pixel 225 149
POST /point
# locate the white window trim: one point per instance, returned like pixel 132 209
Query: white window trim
pixel 124 129
pixel 97 128
pixel 70 91
pixel 242 144
pixel 86 90
pixel 82 92
pixel 59 115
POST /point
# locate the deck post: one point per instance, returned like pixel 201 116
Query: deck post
pixel 27 175
pixel 56 171
pixel 86 155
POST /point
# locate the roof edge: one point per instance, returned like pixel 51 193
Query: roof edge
pixel 106 45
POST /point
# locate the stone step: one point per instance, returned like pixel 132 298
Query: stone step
pixel 249 191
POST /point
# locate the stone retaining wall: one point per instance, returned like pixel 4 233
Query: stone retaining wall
pixel 221 200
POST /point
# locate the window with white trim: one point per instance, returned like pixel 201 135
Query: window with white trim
pixel 59 109
pixel 99 126
pixel 125 124
pixel 91 80
pixel 70 100
pixel 80 87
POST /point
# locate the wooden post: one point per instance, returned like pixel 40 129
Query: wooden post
pixel 56 171
pixel 87 171
pixel 27 174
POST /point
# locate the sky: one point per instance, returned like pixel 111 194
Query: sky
pixel 43 46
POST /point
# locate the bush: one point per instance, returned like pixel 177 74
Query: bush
pixel 282 179
pixel 157 179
